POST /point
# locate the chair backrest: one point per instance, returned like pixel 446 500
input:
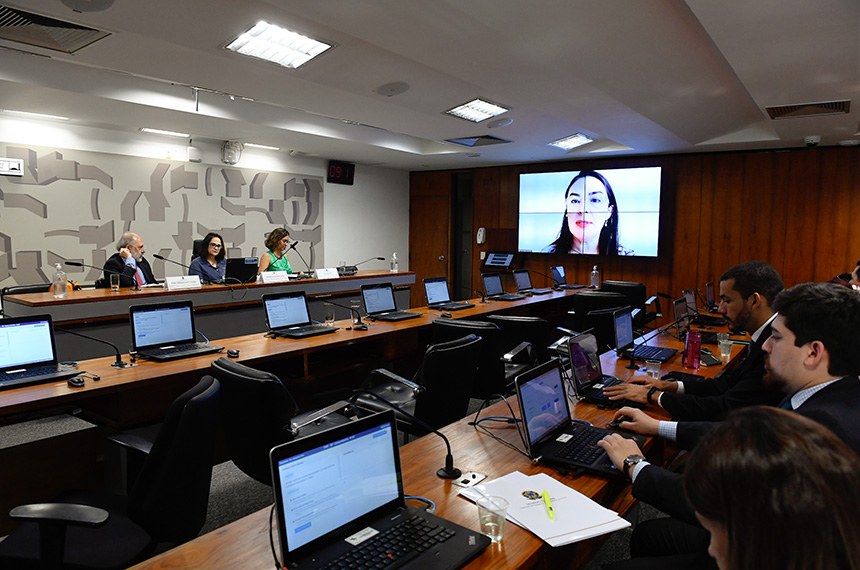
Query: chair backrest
pixel 586 301
pixel 447 374
pixel 517 329
pixel 21 290
pixel 490 377
pixel 635 294
pixel 256 413
pixel 195 249
pixel 170 496
pixel 603 324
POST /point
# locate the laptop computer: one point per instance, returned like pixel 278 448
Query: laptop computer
pixel 558 277
pixel 287 316
pixel 339 495
pixel 242 269
pixel 587 375
pixel 28 352
pixel 697 317
pixel 494 290
pixel 438 298
pixel 379 303
pixel 711 297
pixel 165 331
pixel 524 283
pixel 679 309
pixel 625 343
pixel 551 436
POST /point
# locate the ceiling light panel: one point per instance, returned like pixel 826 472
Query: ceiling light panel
pixel 571 142
pixel 29 115
pixel 162 132
pixel 477 110
pixel 278 45
pixel 263 146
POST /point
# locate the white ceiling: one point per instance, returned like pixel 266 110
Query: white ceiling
pixel 638 76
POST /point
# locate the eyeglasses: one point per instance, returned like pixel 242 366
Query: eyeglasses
pixel 215 245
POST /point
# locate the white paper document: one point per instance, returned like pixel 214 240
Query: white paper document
pixel 576 517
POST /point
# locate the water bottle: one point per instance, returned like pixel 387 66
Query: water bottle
pixel 394 266
pixel 58 286
pixel 692 349
pixel 595 278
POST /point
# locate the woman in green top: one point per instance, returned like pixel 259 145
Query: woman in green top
pixel 275 259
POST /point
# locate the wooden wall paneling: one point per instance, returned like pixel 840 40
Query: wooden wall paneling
pixel 852 204
pixel 801 203
pixel 485 213
pixel 759 209
pixel 833 218
pixel 688 207
pixel 723 235
pixel 779 213
pixel 429 229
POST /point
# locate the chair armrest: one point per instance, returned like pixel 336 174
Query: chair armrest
pixel 78 515
pixel 523 353
pixel 131 442
pixel 392 376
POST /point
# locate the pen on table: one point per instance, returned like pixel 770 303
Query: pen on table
pixel 548 503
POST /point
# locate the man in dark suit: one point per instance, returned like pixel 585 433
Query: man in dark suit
pixel 747 293
pixel 129 262
pixel 814 356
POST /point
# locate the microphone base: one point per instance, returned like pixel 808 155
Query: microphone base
pixel 632 365
pixel 445 473
pixel 361 327
pixel 123 364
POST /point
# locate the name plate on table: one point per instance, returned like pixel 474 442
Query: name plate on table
pixel 275 276
pixel 182 282
pixel 327 273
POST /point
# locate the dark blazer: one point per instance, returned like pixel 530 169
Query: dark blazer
pixel 115 264
pixel 738 386
pixel 835 407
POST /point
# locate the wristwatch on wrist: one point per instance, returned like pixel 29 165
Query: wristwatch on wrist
pixel 651 392
pixel 630 461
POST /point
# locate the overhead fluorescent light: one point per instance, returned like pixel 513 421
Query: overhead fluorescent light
pixel 263 146
pixel 166 133
pixel 34 115
pixel 278 45
pixel 571 142
pixel 477 111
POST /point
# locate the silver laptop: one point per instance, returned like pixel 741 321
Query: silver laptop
pixel 28 353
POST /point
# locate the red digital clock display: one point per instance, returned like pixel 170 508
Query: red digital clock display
pixel 340 172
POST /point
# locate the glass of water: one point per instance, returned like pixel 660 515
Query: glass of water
pixel 725 346
pixel 329 315
pixel 491 515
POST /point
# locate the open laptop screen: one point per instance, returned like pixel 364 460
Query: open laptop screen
pixel 522 279
pixel 492 283
pixel 161 324
pixel 558 274
pixel 690 298
pixel 26 341
pixel 436 290
pixel 334 479
pixel 543 402
pixel 710 298
pixel 286 310
pixel 378 298
pixel 623 328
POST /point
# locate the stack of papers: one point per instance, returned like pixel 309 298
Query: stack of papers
pixel 576 517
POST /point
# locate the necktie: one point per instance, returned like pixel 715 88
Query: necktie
pixel 786 404
pixel 138 276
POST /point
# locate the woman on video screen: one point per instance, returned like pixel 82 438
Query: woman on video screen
pixel 590 222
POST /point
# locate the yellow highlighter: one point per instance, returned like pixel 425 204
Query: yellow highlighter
pixel 548 504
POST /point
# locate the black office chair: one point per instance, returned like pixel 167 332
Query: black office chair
pixel 583 302
pixel 258 413
pixel 166 506
pixel 196 248
pixel 438 393
pixel 533 330
pixel 635 295
pixel 22 290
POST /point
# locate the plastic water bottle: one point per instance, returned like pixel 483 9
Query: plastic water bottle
pixel 394 266
pixel 58 285
pixel 693 349
pixel 595 278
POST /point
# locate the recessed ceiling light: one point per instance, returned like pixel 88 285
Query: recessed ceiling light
pixel 278 45
pixel 477 110
pixel 35 115
pixel 571 142
pixel 166 133
pixel 263 146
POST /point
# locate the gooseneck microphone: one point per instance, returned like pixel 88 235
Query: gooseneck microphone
pixel 446 472
pixel 118 363
pixel 293 247
pixel 555 284
pixel 353 269
pixel 656 332
pixel 483 294
pixel 134 287
pixel 358 326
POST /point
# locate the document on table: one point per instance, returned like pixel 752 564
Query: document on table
pixel 576 517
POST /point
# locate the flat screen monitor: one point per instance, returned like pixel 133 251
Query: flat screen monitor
pixel 610 211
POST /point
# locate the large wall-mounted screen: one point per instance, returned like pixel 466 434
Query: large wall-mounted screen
pixel 610 211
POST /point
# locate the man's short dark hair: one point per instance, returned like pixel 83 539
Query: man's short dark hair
pixel 755 277
pixel 826 312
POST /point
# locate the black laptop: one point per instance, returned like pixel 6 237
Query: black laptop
pixel 524 283
pixel 379 303
pixel 622 320
pixel 559 279
pixel 679 310
pixel 438 297
pixel 287 316
pixel 711 298
pixel 493 288
pixel 587 374
pixel 339 500
pixel 696 316
pixel 551 436
pixel 165 331
pixel 242 269
pixel 28 353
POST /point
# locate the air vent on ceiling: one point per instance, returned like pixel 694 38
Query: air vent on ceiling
pixel 482 140
pixel 40 31
pixel 809 109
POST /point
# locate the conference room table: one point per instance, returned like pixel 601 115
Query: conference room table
pixel 245 542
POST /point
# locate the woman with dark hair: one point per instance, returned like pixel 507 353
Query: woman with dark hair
pixel 210 265
pixel 777 491
pixel 275 259
pixel 590 222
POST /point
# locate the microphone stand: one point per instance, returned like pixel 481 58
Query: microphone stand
pixel 293 247
pixel 555 284
pixel 134 287
pixel 118 363
pixel 483 295
pixel 358 325
pixel 653 333
pixel 446 472
pixel 353 269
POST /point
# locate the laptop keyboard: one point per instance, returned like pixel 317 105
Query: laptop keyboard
pixel 306 330
pixel 651 352
pixel 582 447
pixel 396 546
pixel 185 350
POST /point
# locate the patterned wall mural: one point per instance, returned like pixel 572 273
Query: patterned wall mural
pixel 74 205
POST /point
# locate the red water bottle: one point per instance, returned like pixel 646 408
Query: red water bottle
pixel 693 349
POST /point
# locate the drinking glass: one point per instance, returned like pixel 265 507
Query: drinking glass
pixel 114 282
pixel 491 516
pixel 653 368
pixel 329 316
